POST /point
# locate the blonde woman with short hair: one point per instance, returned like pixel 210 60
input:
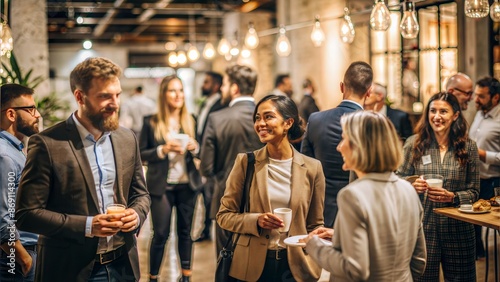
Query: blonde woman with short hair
pixel 378 231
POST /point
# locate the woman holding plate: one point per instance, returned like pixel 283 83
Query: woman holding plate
pixel 378 231
pixel 283 178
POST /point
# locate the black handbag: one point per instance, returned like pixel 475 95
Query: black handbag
pixel 226 254
pixel 194 175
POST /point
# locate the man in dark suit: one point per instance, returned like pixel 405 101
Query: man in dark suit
pixel 229 132
pixel 210 90
pixel 400 119
pixel 74 170
pixel 307 105
pixel 324 133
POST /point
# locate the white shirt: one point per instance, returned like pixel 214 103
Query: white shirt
pixel 204 111
pixel 279 183
pixel 134 109
pixel 241 98
pixel 485 130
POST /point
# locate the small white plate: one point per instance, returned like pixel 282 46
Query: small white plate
pixel 470 211
pixel 294 241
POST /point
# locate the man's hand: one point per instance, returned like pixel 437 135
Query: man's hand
pixel 130 220
pixel 102 226
pixel 24 259
pixel 323 233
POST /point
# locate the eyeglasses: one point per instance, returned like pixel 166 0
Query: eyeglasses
pixel 30 109
pixel 468 94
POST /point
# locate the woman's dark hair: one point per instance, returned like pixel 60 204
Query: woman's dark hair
pixel 458 131
pixel 286 108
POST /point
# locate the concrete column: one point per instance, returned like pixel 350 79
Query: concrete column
pixel 28 21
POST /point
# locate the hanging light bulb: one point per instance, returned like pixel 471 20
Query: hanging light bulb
pixel 172 59
pixel 7 43
pixel 347 28
pixel 495 11
pixel 193 53
pixel 245 53
pixel 380 18
pixel 317 34
pixel 208 51
pixel 476 8
pixel 409 25
pixel 181 58
pixel 283 47
pixel 251 39
pixel 223 47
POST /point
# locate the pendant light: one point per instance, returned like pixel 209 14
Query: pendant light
pixel 347 31
pixel 251 39
pixel 476 8
pixel 409 25
pixel 317 34
pixel 380 18
pixel 283 47
pixel 495 11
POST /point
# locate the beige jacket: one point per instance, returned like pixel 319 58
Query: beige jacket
pixel 378 232
pixel 306 202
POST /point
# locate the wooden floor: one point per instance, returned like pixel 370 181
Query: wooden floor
pixel 204 261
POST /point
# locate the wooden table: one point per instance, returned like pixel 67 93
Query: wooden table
pixel 490 220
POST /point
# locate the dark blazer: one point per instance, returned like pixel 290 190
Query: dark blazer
pixel 307 106
pixel 401 121
pixel 228 132
pixel 215 107
pixel 57 193
pixel 323 134
pixel 156 175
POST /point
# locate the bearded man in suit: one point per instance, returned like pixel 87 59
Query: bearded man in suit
pixel 229 131
pixel 324 133
pixel 74 170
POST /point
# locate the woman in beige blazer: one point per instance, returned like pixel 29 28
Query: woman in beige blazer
pixel 283 178
pixel 378 231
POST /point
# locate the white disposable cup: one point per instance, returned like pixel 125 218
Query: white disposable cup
pixel 434 180
pixel 182 138
pixel 466 207
pixel 286 215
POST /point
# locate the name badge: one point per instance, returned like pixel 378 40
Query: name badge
pixel 426 159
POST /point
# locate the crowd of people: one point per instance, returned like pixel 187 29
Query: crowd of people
pixel 346 174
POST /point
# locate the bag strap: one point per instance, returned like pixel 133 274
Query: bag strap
pixel 248 181
pixel 244 206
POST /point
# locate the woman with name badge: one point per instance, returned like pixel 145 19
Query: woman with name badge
pixel 286 198
pixel 166 144
pixel 446 159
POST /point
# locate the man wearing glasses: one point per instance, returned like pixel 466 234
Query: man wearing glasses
pixel 18 118
pixel 460 85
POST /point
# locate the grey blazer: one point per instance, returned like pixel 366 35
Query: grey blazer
pixel 306 202
pixel 57 193
pixel 378 234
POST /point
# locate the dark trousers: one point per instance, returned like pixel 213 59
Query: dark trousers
pixel 14 274
pixel 276 270
pixel 183 198
pixel 486 192
pixel 118 270
pixel 207 192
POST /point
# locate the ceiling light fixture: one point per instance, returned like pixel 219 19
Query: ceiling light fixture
pixel 476 8
pixel 283 47
pixel 380 18
pixel 317 34
pixel 251 39
pixel 495 11
pixel 347 31
pixel 87 44
pixel 409 25
pixel 223 47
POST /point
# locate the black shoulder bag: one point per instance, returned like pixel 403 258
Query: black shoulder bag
pixel 226 254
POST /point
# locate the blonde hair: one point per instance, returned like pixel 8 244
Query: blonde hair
pixel 374 142
pixel 160 121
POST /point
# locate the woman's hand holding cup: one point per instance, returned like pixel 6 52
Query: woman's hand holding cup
pixel 269 221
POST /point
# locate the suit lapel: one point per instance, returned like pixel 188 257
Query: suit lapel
pixel 76 145
pixel 115 140
pixel 299 174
